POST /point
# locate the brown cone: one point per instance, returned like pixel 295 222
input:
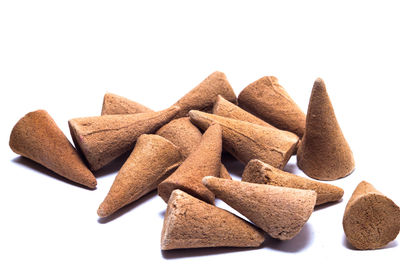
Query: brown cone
pixel 259 172
pixel 115 104
pixel 37 137
pixel 323 153
pixel 279 211
pixel 103 138
pixel 371 220
pixel 205 160
pixel 246 141
pixel 151 161
pixel 192 223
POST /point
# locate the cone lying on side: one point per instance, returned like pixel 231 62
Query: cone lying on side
pixel 115 104
pixel 279 211
pixel 152 159
pixel 323 153
pixel 192 223
pixel 259 172
pixel 371 220
pixel 104 138
pixel 246 141
pixel 37 137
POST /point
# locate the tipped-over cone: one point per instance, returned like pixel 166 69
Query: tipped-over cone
pixel 246 141
pixel 151 161
pixel 259 172
pixel 115 104
pixel 371 220
pixel 192 223
pixel 37 137
pixel 279 211
pixel 323 153
pixel 104 138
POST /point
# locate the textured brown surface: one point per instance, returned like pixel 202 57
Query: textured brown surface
pixel 371 220
pixel 152 159
pixel 279 211
pixel 115 104
pixel 259 172
pixel 323 153
pixel 192 223
pixel 37 137
pixel 101 139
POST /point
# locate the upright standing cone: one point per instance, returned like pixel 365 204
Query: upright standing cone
pixel 323 153
pixel 259 172
pixel 279 211
pixel 151 161
pixel 192 223
pixel 37 137
pixel 103 138
pixel 371 220
pixel 115 104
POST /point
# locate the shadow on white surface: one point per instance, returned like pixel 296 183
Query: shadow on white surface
pixel 291 167
pixel 327 205
pixel 234 166
pixel 113 167
pixel 347 244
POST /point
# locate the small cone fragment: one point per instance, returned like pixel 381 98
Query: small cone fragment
pixel 152 159
pixel 279 211
pixel 192 223
pixel 371 220
pixel 37 137
pixel 323 153
pixel 246 141
pixel 259 172
pixel 104 138
pixel 205 160
pixel 115 104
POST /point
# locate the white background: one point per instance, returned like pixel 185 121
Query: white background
pixel 63 57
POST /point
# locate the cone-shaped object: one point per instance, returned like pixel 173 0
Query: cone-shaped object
pixel 371 220
pixel 259 172
pixel 205 160
pixel 192 223
pixel 246 141
pixel 151 161
pixel 37 137
pixel 103 138
pixel 279 211
pixel 268 100
pixel 115 104
pixel 323 153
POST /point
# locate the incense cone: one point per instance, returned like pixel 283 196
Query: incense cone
pixel 268 100
pixel 150 162
pixel 371 220
pixel 323 153
pixel 205 160
pixel 246 141
pixel 103 138
pixel 259 172
pixel 192 223
pixel 279 211
pixel 115 104
pixel 37 137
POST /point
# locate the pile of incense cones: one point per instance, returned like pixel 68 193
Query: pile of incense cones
pixel 177 151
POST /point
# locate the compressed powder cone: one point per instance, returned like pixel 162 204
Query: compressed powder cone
pixel 102 139
pixel 279 211
pixel 268 100
pixel 323 153
pixel 259 172
pixel 246 141
pixel 37 137
pixel 151 161
pixel 371 220
pixel 192 223
pixel 115 104
pixel 204 161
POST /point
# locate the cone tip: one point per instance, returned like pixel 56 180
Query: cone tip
pixel 102 211
pixel 319 84
pixel 206 180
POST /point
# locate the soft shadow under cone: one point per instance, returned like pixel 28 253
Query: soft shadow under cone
pixel 152 159
pixel 205 160
pixel 259 172
pixel 279 211
pixel 37 137
pixel 323 152
pixel 192 223
pixel 104 138
pixel 115 104
pixel 371 220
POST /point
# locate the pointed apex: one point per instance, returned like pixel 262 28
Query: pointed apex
pixel 114 104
